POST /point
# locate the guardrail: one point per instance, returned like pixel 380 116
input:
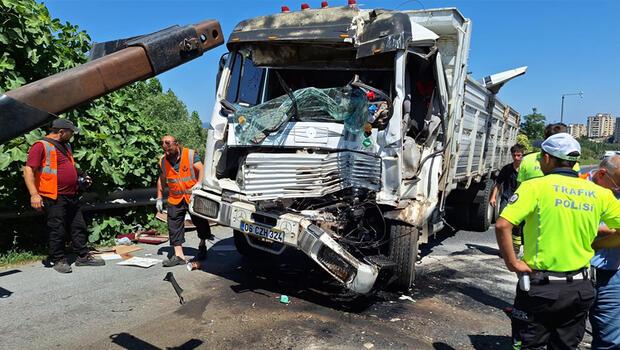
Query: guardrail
pixel 143 197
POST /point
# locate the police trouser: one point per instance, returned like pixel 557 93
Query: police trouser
pixel 63 215
pixel 176 224
pixel 552 314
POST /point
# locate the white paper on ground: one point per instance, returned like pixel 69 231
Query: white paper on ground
pixel 141 262
pixel 110 256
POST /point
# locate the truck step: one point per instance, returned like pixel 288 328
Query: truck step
pixel 381 261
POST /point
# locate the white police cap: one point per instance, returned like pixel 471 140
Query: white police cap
pixel 561 145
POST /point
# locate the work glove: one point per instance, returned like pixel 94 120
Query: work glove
pixel 160 205
pixel 197 186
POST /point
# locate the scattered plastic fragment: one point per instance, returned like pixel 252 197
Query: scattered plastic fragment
pixel 406 297
pixel 395 319
pixel 284 299
pixel 123 241
pixel 369 345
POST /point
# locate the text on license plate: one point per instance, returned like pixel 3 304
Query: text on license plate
pixel 262 231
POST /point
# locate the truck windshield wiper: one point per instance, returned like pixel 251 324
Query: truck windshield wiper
pixel 290 94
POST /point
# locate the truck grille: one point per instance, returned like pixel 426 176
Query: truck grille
pixel 291 175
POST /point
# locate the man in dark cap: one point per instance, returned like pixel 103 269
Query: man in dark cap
pixel 52 180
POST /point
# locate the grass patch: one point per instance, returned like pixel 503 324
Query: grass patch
pixel 14 257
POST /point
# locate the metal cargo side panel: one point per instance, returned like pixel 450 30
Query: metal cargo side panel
pixel 473 128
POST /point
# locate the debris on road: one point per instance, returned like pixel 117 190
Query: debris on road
pixel 396 319
pixel 369 345
pixel 123 241
pixel 110 256
pixel 406 297
pixel 193 265
pixel 170 278
pixel 284 299
pixel 140 262
pixel 124 250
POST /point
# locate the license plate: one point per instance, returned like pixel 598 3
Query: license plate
pixel 262 231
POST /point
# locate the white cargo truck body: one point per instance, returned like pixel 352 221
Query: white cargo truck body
pixel 349 134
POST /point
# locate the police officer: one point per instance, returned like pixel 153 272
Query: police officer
pixel 530 164
pixel 562 213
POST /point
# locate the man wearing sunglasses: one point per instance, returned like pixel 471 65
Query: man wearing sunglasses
pixel 605 313
pixel 181 170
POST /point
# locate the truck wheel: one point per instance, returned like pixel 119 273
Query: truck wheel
pixel 482 213
pixel 404 252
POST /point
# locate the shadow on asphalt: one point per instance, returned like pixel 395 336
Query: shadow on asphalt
pixel 487 342
pixel 436 240
pixel 130 342
pixel 169 251
pixel 4 293
pixel 481 342
pixel 483 249
pixel 9 272
pixel 292 274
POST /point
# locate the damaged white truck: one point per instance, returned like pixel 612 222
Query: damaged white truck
pixel 351 135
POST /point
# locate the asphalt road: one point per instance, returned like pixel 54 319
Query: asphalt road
pixel 233 303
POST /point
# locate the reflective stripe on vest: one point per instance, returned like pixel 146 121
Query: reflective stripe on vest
pixel 46 178
pixel 179 182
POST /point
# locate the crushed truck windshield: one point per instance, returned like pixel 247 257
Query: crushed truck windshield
pixel 347 104
pixel 265 99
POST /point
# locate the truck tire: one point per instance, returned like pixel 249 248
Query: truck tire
pixel 404 253
pixel 481 214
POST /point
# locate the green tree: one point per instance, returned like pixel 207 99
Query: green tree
pixel 525 142
pixel 171 113
pixel 533 125
pixel 116 146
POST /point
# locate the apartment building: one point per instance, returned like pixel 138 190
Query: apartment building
pixel 617 131
pixel 577 130
pixel 601 125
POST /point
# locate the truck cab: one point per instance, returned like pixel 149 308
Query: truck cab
pixel 342 133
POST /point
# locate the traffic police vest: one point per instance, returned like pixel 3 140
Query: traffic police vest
pixel 180 182
pixel 562 215
pixel 46 177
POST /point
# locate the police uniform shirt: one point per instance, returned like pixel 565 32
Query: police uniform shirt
pixel 562 213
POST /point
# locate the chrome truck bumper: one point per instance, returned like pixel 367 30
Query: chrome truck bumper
pixel 297 232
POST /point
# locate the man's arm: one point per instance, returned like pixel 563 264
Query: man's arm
pixel 503 234
pixel 36 201
pixel 160 186
pixel 199 168
pixel 493 199
pixel 606 241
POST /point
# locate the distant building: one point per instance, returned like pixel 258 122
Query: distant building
pixel 617 131
pixel 577 130
pixel 601 125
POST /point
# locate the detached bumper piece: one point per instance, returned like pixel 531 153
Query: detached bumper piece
pixel 344 267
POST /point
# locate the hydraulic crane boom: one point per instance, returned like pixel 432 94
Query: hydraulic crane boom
pixel 114 65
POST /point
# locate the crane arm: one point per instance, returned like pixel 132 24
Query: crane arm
pixel 116 64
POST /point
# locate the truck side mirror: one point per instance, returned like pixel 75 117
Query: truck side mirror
pixel 220 68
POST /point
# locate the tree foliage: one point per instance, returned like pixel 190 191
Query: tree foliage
pixel 118 145
pixel 592 152
pixel 524 141
pixel 175 120
pixel 533 126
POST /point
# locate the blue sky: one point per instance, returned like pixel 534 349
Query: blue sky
pixel 569 45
